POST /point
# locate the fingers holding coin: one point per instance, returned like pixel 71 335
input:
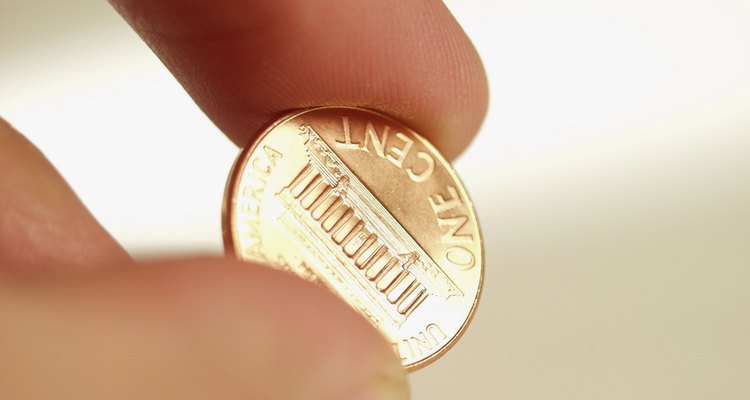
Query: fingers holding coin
pixel 187 329
pixel 244 62
pixel 80 319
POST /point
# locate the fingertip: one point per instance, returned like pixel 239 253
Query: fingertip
pixel 190 329
pixel 276 325
pixel 244 62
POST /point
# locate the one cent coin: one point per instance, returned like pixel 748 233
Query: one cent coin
pixel 357 202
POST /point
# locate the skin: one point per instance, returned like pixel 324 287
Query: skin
pixel 80 320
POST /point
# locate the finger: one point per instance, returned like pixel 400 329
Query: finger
pixel 189 329
pixel 245 61
pixel 43 225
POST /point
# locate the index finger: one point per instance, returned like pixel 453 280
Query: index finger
pixel 244 62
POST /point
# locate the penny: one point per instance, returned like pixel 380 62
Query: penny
pixel 357 202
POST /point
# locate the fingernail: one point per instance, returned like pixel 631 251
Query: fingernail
pixel 390 384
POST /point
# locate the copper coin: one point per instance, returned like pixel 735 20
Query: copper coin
pixel 357 202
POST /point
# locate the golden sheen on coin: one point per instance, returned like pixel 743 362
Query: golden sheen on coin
pixel 359 203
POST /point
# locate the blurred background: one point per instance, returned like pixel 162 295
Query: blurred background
pixel 611 178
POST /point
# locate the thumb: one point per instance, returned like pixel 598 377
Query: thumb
pixel 188 329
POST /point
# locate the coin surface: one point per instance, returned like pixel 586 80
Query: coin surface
pixel 359 203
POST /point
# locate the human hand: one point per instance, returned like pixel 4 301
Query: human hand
pixel 82 320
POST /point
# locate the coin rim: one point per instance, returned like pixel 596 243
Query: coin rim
pixel 229 203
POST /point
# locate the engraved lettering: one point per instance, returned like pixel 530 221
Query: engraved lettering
pixel 419 168
pixel 397 155
pixel 250 229
pixel 347 143
pixel 397 350
pixel 264 166
pixel 403 349
pixel 272 155
pixel 254 193
pixel 421 343
pixel 460 257
pixel 259 167
pixel 249 221
pixel 451 226
pixel 378 144
pixel 251 197
pixel 442 203
pixel 436 333
pixel 250 208
pixel 426 173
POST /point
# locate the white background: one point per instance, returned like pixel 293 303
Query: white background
pixel 611 177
